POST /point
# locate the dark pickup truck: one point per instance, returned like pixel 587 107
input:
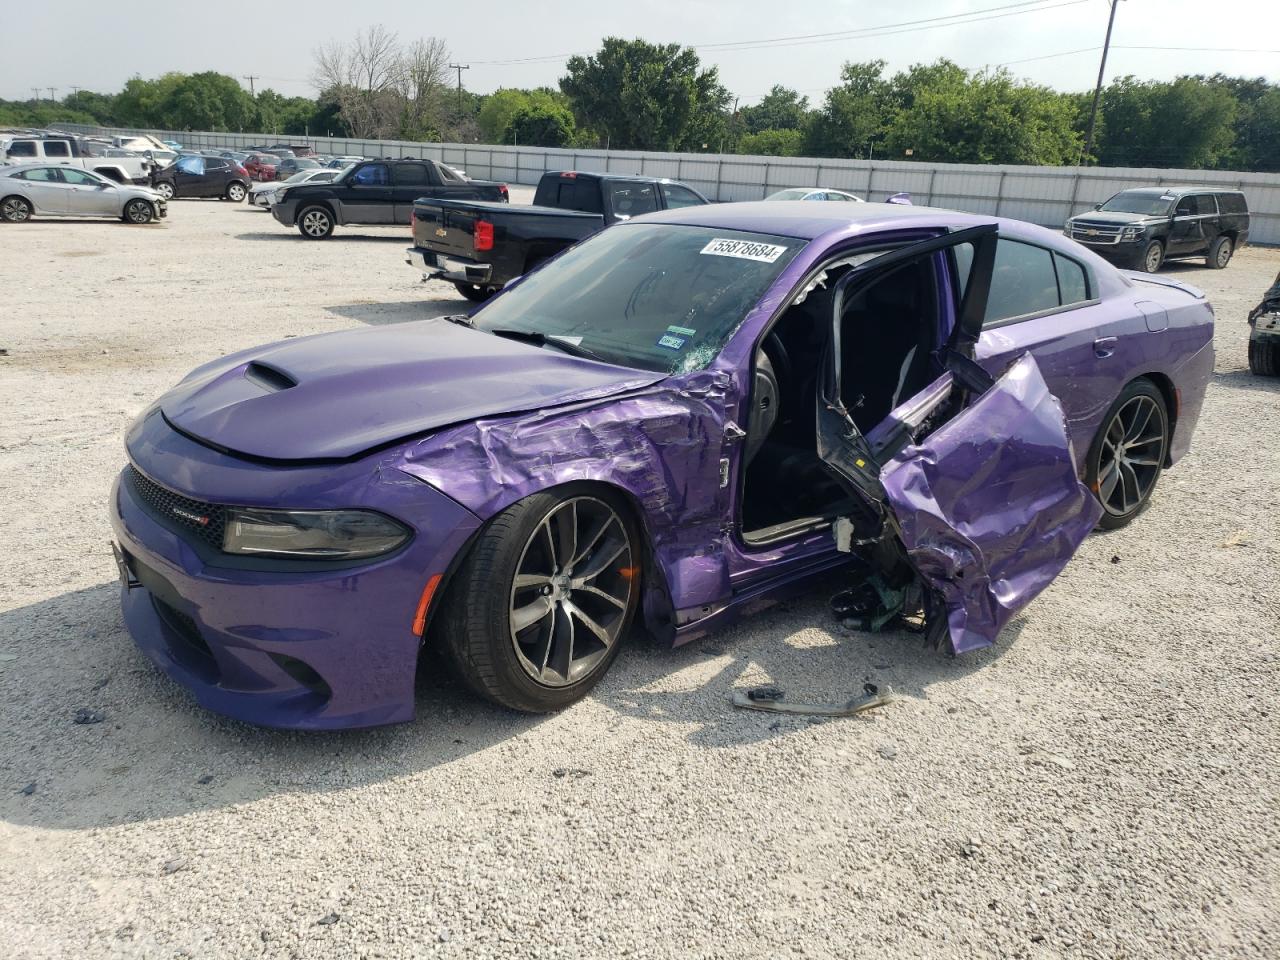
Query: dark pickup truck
pixel 375 192
pixel 480 246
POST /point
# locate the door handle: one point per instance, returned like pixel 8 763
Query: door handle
pixel 1104 347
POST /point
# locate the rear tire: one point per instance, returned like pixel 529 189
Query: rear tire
pixel 138 211
pixel 1219 254
pixel 474 293
pixel 1264 358
pixel 15 210
pixel 315 223
pixel 236 192
pixel 532 564
pixel 1152 257
pixel 1127 456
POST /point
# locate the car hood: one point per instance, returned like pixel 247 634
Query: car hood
pixel 1116 217
pixel 334 396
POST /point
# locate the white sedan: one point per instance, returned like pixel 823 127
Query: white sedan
pixel 31 190
pixel 264 194
pixel 813 193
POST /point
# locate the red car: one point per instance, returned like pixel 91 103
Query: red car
pixel 261 166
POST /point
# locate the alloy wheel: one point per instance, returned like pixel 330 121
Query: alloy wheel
pixel 1155 256
pixel 139 211
pixel 315 223
pixel 16 210
pixel 235 192
pixel 1224 254
pixel 571 592
pixel 1132 452
pixel 165 189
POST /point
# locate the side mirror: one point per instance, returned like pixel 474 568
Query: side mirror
pixel 1097 206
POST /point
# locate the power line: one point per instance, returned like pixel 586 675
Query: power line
pixel 884 29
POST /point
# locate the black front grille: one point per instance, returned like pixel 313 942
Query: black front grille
pixel 206 520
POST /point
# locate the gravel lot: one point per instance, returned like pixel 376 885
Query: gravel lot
pixel 1102 783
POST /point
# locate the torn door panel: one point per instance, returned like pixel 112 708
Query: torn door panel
pixel 990 505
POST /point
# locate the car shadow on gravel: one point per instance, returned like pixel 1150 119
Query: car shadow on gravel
pixel 380 313
pixel 292 236
pixel 796 646
pixel 149 752
pixel 1244 380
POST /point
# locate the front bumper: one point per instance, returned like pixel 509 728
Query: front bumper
pixel 1123 250
pixel 280 645
pixel 436 265
pixel 285 212
pixel 1265 328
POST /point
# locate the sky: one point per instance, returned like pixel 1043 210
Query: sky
pixel 98 46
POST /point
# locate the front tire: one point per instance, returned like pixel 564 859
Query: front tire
pixel 1264 358
pixel 474 293
pixel 236 192
pixel 315 223
pixel 1219 254
pixel 537 611
pixel 165 189
pixel 1127 455
pixel 1152 257
pixel 138 211
pixel 15 210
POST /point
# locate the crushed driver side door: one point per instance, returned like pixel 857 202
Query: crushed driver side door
pixel 972 482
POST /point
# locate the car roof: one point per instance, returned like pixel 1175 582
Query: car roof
pixel 1161 191
pixel 807 221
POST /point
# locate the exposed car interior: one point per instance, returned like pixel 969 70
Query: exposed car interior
pixel 890 334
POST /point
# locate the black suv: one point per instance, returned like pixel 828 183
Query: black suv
pixel 195 175
pixel 1144 227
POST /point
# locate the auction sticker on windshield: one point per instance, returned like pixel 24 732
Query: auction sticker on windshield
pixel 743 250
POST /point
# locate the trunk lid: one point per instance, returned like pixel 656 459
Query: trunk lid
pixel 335 396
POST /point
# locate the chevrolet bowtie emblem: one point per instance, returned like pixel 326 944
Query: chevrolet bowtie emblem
pixel 440 231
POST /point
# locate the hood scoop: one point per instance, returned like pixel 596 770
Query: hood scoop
pixel 268 377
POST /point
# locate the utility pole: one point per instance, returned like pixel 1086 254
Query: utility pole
pixel 251 78
pixel 75 91
pixel 459 67
pixel 1097 90
pixel 53 94
pixel 36 91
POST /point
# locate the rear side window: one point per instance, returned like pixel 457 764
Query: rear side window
pixel 677 196
pixel 1073 282
pixel 1023 281
pixel 1206 206
pixel 410 175
pixel 1232 203
pixel 632 199
pixel 43 174
pixel 582 195
pixel 56 148
pixel 215 163
pixel 22 148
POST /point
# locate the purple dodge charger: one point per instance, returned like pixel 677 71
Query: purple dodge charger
pixel 683 418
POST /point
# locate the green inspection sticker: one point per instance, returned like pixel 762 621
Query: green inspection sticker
pixel 684 331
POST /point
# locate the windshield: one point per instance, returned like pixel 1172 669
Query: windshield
pixel 660 297
pixel 300 177
pixel 795 194
pixel 1148 204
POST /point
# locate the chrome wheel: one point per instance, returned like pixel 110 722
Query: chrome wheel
pixel 1131 456
pixel 571 592
pixel 235 193
pixel 165 189
pixel 16 210
pixel 315 223
pixel 1155 257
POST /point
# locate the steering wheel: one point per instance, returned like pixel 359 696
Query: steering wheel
pixel 773 367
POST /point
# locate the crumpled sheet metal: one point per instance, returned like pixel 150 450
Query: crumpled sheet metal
pixel 990 506
pixel 661 445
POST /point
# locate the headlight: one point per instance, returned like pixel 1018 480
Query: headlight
pixel 279 193
pixel 317 534
pixel 1132 233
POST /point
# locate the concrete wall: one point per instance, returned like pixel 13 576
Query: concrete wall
pixel 1043 195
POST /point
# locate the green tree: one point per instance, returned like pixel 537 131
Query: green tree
pixel 781 109
pixel 640 95
pixel 1188 122
pixel 985 117
pixel 773 143
pixel 851 119
pixel 207 101
pixel 541 125
pixel 497 110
